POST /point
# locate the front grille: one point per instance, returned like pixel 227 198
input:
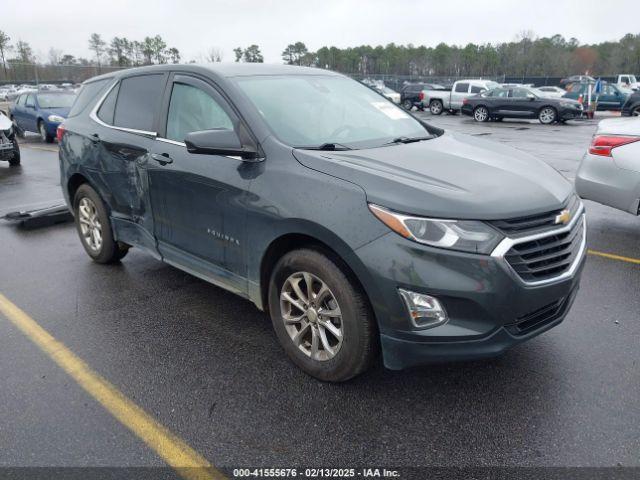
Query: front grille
pixel 542 316
pixel 547 257
pixel 535 223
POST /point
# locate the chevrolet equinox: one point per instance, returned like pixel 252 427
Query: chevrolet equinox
pixel 358 227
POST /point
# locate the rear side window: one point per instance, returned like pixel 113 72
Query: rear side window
pixel 31 101
pixel 462 87
pixel 108 107
pixel 21 100
pixel 137 102
pixel 476 89
pixel 87 93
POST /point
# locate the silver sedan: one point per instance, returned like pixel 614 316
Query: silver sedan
pixel 610 171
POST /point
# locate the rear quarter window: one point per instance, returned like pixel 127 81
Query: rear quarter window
pixel 462 87
pixel 137 102
pixel 86 95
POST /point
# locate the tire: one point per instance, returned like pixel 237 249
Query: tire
pixel 43 133
pixel 15 161
pixel 407 104
pixel 436 107
pixel 16 127
pixel 635 112
pixel 481 114
pixel 107 250
pixel 547 115
pixel 346 357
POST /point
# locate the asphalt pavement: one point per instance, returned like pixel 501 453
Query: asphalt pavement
pixel 206 364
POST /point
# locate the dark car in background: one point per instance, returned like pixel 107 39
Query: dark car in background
pixel 577 79
pixel 358 227
pixel 631 107
pixel 611 97
pixel 41 112
pixel 520 102
pixel 410 94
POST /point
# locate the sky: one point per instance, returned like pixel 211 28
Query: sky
pixel 195 26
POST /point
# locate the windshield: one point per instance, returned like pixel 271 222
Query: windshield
pixel 309 111
pixel 56 100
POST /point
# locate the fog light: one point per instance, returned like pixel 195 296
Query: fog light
pixel 425 311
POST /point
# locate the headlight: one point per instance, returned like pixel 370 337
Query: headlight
pixel 464 235
pixel 56 119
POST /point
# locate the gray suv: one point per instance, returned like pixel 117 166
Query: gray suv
pixel 358 227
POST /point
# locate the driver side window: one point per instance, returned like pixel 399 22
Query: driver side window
pixel 193 110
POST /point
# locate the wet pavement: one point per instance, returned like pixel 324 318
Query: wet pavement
pixel 206 364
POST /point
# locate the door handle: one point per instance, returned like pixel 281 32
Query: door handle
pixel 162 158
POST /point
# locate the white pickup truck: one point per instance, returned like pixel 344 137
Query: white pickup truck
pixel 626 80
pixel 451 100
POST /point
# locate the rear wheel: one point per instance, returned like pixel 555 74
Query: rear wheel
pixel 94 227
pixel 481 114
pixel 43 132
pixel 547 115
pixel 436 107
pixel 407 104
pixel 635 112
pixel 321 317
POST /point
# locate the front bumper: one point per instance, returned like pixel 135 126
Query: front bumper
pixel 570 113
pixel 7 148
pixel 490 308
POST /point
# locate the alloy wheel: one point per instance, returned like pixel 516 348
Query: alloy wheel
pixel 436 108
pixel 636 112
pixel 408 105
pixel 90 225
pixel 311 316
pixel 481 114
pixel 547 115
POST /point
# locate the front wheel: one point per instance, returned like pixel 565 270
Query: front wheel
pixel 43 133
pixel 436 107
pixel 481 114
pixel 547 115
pixel 321 317
pixel 635 112
pixel 94 227
pixel 15 161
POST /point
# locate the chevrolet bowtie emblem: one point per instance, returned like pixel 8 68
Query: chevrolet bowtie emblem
pixel 564 217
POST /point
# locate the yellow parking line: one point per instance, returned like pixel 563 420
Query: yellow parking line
pixel 33 147
pixel 614 257
pixel 188 463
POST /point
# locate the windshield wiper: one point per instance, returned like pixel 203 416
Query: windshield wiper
pixel 329 146
pixel 408 140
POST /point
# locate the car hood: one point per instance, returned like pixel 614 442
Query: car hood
pixel 452 176
pixel 5 123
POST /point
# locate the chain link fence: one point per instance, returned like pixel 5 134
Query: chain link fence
pixel 18 73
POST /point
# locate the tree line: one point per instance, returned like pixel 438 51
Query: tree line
pixel 527 55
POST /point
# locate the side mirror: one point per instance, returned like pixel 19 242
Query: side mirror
pixel 219 142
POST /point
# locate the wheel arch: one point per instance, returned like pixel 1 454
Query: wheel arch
pixel 325 242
